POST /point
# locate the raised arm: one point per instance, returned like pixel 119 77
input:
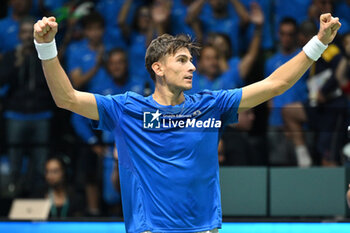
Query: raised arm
pixel 64 95
pixel 257 18
pixel 194 10
pixel 241 12
pixel 289 73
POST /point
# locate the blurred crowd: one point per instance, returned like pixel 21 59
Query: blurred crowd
pixel 50 153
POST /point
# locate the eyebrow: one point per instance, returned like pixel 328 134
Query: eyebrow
pixel 182 55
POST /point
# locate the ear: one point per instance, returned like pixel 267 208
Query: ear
pixel 157 67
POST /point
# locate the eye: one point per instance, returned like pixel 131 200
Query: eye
pixel 182 60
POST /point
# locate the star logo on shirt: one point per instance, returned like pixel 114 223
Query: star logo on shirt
pixel 156 115
pixel 151 120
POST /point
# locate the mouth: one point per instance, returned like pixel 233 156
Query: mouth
pixel 188 77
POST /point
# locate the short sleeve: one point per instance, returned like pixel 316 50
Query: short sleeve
pixel 227 102
pixel 110 109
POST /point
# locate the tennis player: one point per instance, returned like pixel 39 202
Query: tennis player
pixel 167 142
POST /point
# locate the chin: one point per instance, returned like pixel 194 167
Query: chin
pixel 186 88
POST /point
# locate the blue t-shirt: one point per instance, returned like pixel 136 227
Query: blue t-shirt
pixel 296 9
pixel 228 25
pixel 80 56
pixel 102 84
pixel 228 80
pixel 169 175
pixel 297 93
pixel 267 34
pixel 137 52
pixel 178 19
pixel 8 34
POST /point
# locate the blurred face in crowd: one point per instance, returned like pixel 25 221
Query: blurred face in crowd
pixel 94 32
pixel 20 7
pixel 323 6
pixel 245 120
pixel 117 66
pixel 209 62
pixel 346 44
pixel 221 45
pixel 54 173
pixel 26 34
pixel 177 69
pixel 306 31
pixel 218 6
pixel 287 35
pixel 143 18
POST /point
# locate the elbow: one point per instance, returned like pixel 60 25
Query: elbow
pixel 65 103
pixel 279 88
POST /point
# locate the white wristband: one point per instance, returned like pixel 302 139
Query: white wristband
pixel 46 51
pixel 314 48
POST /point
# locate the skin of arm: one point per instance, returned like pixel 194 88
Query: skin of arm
pixel 241 11
pixel 194 10
pixel 341 72
pixel 121 20
pixel 247 61
pixel 79 78
pixel 64 95
pixel 348 196
pixel 289 73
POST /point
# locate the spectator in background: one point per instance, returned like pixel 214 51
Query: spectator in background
pixel 64 201
pixel 342 9
pixel 110 81
pixel 28 110
pixel 267 40
pixel 288 48
pixel 319 7
pixel 85 58
pixel 149 21
pixel 236 144
pixel 215 71
pixel 179 24
pixel 9 26
pixel 343 68
pixel 348 197
pixel 220 16
pixel 324 111
pixel 296 9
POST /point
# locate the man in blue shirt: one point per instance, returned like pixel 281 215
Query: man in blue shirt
pixel 288 48
pixel 167 142
pixel 9 26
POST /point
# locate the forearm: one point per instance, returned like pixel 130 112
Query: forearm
pixel 121 20
pixel 248 60
pixel 289 73
pixel 241 11
pixel 341 72
pixel 194 10
pixel 79 79
pixel 60 87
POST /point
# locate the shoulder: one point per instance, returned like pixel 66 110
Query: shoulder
pixel 208 95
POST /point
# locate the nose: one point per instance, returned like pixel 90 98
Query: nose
pixel 192 67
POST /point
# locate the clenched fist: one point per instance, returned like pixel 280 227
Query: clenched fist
pixel 328 28
pixel 45 30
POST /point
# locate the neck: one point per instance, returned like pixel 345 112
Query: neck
pixel 94 45
pixel 59 190
pixel 288 50
pixel 165 96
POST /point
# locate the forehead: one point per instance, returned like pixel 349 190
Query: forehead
pixel 178 53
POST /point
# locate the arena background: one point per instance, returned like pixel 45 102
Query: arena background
pixel 266 187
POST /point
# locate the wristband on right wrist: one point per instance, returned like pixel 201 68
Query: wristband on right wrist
pixel 314 48
pixel 46 51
